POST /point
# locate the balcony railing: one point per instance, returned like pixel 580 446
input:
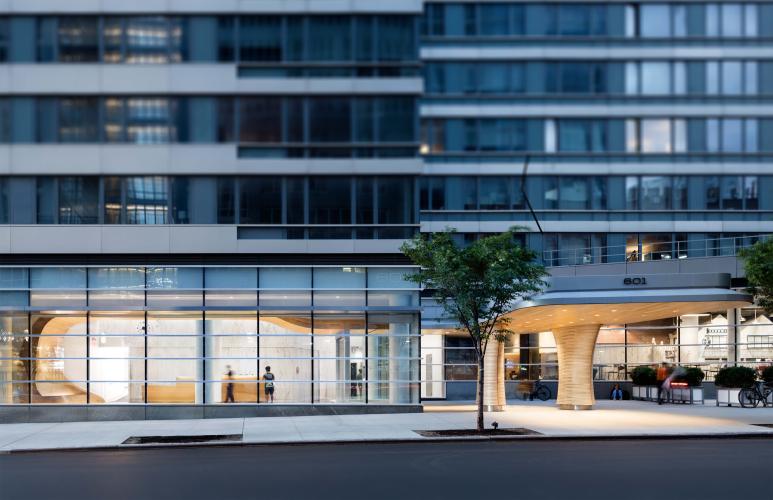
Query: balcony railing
pixel 651 250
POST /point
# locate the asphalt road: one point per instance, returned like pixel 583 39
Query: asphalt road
pixel 652 469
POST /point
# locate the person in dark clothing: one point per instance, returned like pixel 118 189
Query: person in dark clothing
pixel 229 389
pixel 617 392
pixel 268 379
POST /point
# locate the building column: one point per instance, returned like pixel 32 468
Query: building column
pixel 732 337
pixel 494 376
pixel 575 366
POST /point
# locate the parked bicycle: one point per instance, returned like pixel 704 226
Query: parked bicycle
pixel 750 397
pixel 539 391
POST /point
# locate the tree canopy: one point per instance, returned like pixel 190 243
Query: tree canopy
pixel 477 285
pixel 758 262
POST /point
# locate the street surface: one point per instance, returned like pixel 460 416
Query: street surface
pixel 619 469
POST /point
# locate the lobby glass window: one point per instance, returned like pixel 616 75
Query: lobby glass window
pixel 654 21
pixel 78 39
pixel 582 135
pixel 231 345
pixel 330 119
pixel 339 352
pixel 260 200
pixel 330 200
pixel 116 352
pixel 174 350
pixel 285 346
pixel 78 200
pixel 58 345
pixel 655 193
pixel 260 119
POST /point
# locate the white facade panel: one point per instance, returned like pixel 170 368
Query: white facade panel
pixel 596 168
pixel 498 110
pixel 202 239
pixel 189 78
pixel 123 159
pixel 207 6
pixel 593 53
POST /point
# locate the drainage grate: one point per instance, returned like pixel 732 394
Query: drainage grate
pixel 518 431
pixel 211 438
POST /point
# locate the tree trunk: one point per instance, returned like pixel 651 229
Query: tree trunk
pixel 480 393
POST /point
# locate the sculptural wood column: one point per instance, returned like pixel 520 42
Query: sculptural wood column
pixel 575 366
pixel 494 377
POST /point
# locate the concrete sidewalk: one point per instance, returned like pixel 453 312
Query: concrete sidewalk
pixel 610 419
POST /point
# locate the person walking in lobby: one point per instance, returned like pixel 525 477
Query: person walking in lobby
pixel 269 378
pixel 617 393
pixel 229 389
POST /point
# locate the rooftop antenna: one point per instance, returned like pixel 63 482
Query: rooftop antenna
pixel 525 196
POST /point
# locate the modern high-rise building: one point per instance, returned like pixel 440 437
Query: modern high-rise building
pixel 195 192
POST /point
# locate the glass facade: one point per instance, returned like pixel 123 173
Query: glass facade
pixel 183 335
pixel 707 341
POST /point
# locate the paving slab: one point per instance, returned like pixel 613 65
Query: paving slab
pixel 610 419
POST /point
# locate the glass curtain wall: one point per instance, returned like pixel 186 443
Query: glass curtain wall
pixel 708 341
pixel 192 335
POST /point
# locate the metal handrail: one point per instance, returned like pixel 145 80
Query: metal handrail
pixel 657 250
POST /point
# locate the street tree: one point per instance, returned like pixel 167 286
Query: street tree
pixel 477 285
pixel 758 263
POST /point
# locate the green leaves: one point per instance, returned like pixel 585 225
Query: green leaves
pixel 758 261
pixel 478 284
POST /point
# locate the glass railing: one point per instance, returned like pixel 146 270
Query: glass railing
pixel 651 251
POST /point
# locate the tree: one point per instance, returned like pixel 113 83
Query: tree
pixel 477 285
pixel 758 262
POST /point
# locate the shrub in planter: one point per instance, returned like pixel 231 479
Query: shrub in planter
pixel 644 375
pixel 767 375
pixel 693 376
pixel 735 377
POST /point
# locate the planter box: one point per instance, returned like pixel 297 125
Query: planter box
pixel 688 395
pixel 644 392
pixel 727 396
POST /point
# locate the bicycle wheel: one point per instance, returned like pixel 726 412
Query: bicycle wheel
pixel 748 398
pixel 542 393
pixel 766 397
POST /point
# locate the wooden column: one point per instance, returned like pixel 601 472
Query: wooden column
pixel 493 377
pixel 575 366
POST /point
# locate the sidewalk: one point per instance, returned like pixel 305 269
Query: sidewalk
pixel 611 419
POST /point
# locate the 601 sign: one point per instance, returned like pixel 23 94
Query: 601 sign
pixel 635 281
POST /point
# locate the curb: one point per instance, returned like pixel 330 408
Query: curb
pixel 622 437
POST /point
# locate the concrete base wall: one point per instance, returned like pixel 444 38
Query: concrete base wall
pixel 67 413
